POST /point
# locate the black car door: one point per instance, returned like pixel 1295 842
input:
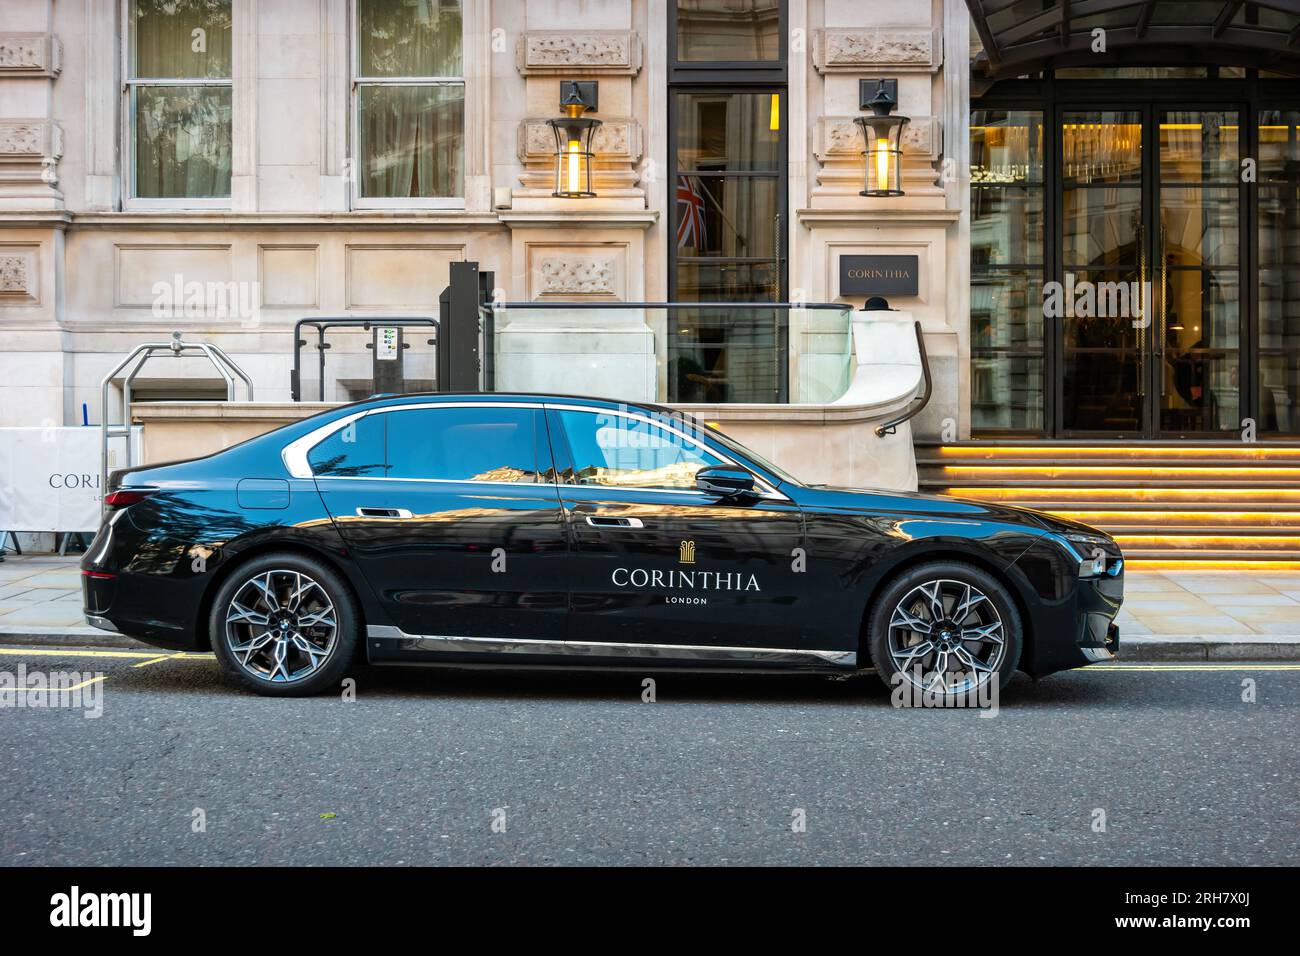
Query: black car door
pixel 451 512
pixel 654 561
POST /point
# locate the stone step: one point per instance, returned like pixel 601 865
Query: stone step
pixel 1114 462
pixel 1236 542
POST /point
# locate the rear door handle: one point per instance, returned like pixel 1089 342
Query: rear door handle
pixel 383 513
pixel 599 522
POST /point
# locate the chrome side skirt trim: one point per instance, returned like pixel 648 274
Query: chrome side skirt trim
pixel 440 643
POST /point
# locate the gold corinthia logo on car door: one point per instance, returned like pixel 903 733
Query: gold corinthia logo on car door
pixel 686 552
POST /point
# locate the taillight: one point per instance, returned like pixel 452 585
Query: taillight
pixel 124 497
pixel 99 575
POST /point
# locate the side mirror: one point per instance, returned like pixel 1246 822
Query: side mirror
pixel 724 480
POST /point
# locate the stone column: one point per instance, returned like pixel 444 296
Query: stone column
pixel 32 223
pixel 32 216
pixel 851 41
pixel 576 249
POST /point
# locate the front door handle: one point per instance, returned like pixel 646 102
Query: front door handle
pixel 383 513
pixel 598 522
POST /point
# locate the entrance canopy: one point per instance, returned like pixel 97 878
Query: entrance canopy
pixel 1025 36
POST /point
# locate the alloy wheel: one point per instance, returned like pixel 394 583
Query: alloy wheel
pixel 946 636
pixel 281 626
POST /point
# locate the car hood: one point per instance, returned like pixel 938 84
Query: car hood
pixel 872 501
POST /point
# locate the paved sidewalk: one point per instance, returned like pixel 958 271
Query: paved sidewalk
pixel 40 593
pixel 1209 615
pixel 1167 615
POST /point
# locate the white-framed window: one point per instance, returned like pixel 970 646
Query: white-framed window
pixel 178 90
pixel 408 103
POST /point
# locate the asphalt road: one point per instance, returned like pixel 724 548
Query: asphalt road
pixel 718 770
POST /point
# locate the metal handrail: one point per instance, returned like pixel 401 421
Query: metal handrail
pixel 838 306
pixel 324 323
pixel 891 426
pixel 141 354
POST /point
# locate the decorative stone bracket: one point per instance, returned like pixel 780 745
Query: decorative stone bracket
pixel 29 154
pixel 617 140
pixel 618 147
pixel 839 147
pixel 839 137
pixel 30 139
pixel 616 53
pixel 30 54
pixel 898 50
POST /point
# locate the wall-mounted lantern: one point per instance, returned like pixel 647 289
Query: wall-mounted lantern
pixel 883 133
pixel 574 134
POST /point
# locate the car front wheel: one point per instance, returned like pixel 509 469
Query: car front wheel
pixel 284 625
pixel 945 630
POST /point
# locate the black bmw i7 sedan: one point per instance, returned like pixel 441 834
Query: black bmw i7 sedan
pixel 551 530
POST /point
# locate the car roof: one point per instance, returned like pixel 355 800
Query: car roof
pixel 553 399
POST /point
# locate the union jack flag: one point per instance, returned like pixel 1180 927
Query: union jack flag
pixel 690 213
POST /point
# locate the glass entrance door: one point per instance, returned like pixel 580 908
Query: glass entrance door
pixel 727 220
pixel 1150 326
pixel 1198 293
pixel 1105 265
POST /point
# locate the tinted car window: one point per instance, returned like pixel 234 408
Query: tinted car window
pixel 354 451
pixel 463 444
pixel 627 453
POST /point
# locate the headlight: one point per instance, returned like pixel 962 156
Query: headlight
pixel 1090 549
pixel 1090 541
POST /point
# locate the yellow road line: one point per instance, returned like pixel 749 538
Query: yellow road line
pixel 44 652
pixel 1191 666
pixel 152 655
pixel 84 683
pixel 179 656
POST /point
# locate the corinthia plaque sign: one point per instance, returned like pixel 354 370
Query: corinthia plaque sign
pixel 879 275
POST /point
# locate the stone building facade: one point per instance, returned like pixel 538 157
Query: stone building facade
pixel 259 165
pixel 225 168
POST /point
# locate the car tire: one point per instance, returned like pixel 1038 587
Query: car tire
pixel 285 625
pixel 975 606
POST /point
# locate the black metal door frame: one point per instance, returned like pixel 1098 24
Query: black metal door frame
pixel 782 176
pixel 757 76
pixel 781 257
pixel 1053 97
pixel 1148 347
pixel 1150 100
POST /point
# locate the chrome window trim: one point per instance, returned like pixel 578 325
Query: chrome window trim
pixel 438 481
pixel 447 643
pixel 294 454
pixel 702 495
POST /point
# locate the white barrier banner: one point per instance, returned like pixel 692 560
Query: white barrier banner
pixel 49 477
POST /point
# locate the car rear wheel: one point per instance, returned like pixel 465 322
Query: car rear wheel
pixel 285 625
pixel 945 631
